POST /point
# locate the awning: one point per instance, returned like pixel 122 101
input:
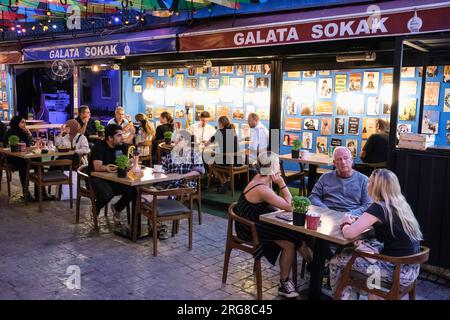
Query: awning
pixel 10 55
pixel 122 44
pixel 377 19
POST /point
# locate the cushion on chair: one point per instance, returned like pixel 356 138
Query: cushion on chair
pixel 169 207
pixel 50 176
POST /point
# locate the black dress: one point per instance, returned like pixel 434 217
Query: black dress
pixel 221 137
pixel 267 233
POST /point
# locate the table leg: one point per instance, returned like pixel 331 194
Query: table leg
pixel 317 269
pixel 312 177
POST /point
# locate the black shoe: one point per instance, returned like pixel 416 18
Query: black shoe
pixel 287 289
pixel 46 197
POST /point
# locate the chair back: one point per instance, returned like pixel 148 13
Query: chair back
pixel 83 175
pixel 418 258
pixel 248 246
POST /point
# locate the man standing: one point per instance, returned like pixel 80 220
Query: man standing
pixel 87 124
pixel 104 153
pixel 342 189
pixel 259 137
pixel 201 130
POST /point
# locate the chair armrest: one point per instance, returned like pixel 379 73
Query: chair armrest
pixel 167 192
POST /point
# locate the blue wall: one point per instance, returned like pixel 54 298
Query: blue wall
pixel 94 80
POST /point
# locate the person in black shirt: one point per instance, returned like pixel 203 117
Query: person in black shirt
pixel 376 147
pixel 228 151
pixel 87 124
pixel 166 121
pixel 17 127
pixel 397 233
pixel 104 153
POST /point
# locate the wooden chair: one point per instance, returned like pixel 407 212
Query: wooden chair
pixel 233 242
pixel 87 192
pixel 147 160
pixel 230 170
pixel 50 178
pixel 197 196
pixel 8 171
pixel 296 175
pixel 162 150
pixel 389 290
pixel 166 210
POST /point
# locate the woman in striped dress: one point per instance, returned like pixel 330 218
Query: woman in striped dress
pixel 259 198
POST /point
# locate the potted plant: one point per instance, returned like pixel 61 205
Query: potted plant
pixel 300 206
pixel 122 166
pixel 296 146
pixel 13 142
pixel 168 137
pixel 100 128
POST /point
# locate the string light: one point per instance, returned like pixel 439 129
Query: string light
pixel 13 28
pixel 33 28
pixel 48 13
pixel 55 26
pixel 24 30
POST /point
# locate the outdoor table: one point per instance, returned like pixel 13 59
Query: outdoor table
pixel 44 126
pixel 328 231
pixel 313 160
pixel 31 155
pixel 149 177
pixel 96 137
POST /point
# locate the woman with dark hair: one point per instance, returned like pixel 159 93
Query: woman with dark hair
pixel 227 149
pixel 18 128
pixel 144 133
pixel 166 121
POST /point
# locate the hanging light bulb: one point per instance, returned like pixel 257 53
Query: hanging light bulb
pixel 95 68
pixel 33 28
pixel 48 13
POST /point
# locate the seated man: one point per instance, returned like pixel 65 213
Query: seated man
pixel 104 153
pixel 182 160
pixel 343 189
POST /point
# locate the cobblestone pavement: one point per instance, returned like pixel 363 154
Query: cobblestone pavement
pixel 37 248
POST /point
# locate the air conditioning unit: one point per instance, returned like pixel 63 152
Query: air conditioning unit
pixel 356 56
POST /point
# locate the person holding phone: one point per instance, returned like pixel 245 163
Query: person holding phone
pixel 259 198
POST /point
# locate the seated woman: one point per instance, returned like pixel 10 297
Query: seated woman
pixel 72 139
pixel 18 127
pixel 259 198
pixel 166 124
pixel 397 232
pixel 226 139
pixel 145 132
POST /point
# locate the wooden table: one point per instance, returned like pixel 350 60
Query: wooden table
pixel 329 231
pixel 31 155
pixel 44 126
pixel 27 122
pixel 96 137
pixel 149 178
pixel 313 160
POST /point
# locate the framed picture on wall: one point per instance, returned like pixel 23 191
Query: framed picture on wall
pixel 106 88
pixel 136 73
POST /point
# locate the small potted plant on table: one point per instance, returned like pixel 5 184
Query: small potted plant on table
pixel 168 137
pixel 296 146
pixel 13 142
pixel 300 206
pixel 122 166
pixel 100 128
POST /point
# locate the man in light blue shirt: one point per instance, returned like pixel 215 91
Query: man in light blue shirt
pixel 343 189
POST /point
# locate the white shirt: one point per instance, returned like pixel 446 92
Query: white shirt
pixel 259 140
pixel 202 133
pixel 80 143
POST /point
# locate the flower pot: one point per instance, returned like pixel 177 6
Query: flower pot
pixel 15 148
pixel 298 219
pixel 101 133
pixel 295 154
pixel 121 173
pixel 168 141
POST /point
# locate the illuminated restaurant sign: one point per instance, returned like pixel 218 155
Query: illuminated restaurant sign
pixel 357 25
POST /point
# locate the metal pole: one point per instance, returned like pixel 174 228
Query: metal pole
pixel 276 79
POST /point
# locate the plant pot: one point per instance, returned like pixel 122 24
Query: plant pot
pixel 101 133
pixel 298 219
pixel 121 173
pixel 15 148
pixel 168 141
pixel 295 154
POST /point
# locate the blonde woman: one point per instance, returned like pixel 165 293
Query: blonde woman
pixel 397 233
pixel 146 132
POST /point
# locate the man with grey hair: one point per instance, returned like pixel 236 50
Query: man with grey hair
pixel 342 189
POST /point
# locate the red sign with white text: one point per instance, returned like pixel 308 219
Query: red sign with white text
pixel 389 24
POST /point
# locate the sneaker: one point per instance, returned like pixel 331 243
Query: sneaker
pixel 163 233
pixel 116 214
pixel 287 289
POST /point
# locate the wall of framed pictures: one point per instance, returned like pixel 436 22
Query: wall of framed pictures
pixel 233 91
pixel 339 107
pixel 5 93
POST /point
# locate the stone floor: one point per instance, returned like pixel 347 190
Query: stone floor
pixel 38 252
